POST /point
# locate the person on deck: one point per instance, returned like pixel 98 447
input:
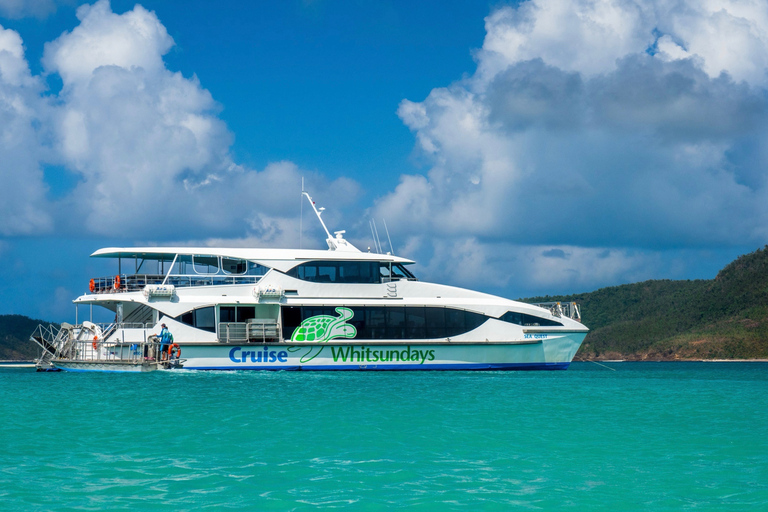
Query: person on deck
pixel 165 340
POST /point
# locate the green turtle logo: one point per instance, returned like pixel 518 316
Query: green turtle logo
pixel 323 328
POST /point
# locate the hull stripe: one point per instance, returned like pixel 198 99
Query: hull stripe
pixel 397 367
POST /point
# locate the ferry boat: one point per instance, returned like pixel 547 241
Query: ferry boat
pixel 283 309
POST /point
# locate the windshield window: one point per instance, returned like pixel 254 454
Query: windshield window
pixel 337 272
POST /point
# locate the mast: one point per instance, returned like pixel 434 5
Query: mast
pixel 337 243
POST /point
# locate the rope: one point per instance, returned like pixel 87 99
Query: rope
pixel 598 364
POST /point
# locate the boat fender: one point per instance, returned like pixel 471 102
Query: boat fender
pixel 95 343
pixel 92 286
pixel 117 282
pixel 171 348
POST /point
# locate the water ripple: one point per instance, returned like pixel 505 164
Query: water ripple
pixel 646 437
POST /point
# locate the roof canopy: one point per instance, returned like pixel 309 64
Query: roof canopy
pixel 281 259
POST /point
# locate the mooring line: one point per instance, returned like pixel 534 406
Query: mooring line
pixel 598 364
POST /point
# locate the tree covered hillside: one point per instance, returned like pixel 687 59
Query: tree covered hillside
pixel 722 318
pixel 14 337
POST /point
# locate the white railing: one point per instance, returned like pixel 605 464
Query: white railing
pixel 255 330
pixel 96 342
pixel 560 309
pixel 233 332
pixel 137 282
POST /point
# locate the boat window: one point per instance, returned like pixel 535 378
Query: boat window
pixel 326 273
pixel 205 319
pixel 227 314
pixel 234 266
pixel 183 264
pixel 245 313
pixel 392 322
pixel 370 322
pixel 254 269
pixel 201 318
pixel 435 322
pixel 401 272
pixel 336 272
pixel 528 320
pixel 415 322
pixel 205 264
pixel 395 323
pixel 394 271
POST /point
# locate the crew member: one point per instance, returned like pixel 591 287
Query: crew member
pixel 166 338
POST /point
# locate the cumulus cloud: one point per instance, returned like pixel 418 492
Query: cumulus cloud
pixel 594 124
pixel 22 196
pixel 140 136
pixel 535 269
pixel 135 39
pixel 148 152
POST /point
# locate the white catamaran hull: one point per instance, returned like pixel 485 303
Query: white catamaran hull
pixel 554 353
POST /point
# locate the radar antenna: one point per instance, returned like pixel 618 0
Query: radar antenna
pixel 337 243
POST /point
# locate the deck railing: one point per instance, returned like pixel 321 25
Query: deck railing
pixel 559 309
pixel 255 330
pixel 137 282
pixel 95 342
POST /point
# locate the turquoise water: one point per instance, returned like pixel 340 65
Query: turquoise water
pixel 648 436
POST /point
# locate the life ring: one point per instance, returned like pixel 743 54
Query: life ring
pixel 95 343
pixel 171 348
pixel 117 282
pixel 92 286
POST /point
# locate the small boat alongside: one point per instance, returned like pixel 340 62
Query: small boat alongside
pixel 283 309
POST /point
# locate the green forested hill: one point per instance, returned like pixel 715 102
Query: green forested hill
pixel 14 337
pixel 722 318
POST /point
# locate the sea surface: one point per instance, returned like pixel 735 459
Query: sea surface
pixel 637 436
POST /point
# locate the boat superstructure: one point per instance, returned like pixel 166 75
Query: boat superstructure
pixel 284 309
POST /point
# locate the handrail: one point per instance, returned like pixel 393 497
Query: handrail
pixel 137 282
pixel 254 330
pixel 559 309
pixel 76 343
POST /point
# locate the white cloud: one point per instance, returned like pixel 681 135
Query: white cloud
pixel 585 36
pixel 22 196
pixel 150 156
pixel 526 270
pixel 135 39
pixel 590 36
pixel 147 142
pixel 595 124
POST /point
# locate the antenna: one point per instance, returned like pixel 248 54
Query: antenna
pixel 390 240
pixel 370 224
pixel 311 202
pixel 337 243
pixel 378 240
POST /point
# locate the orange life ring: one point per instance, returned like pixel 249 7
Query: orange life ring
pixel 95 343
pixel 171 348
pixel 117 282
pixel 92 286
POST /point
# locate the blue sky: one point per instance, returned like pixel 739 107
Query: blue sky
pixel 545 146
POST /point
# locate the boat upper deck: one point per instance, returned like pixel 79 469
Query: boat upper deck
pixel 189 266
